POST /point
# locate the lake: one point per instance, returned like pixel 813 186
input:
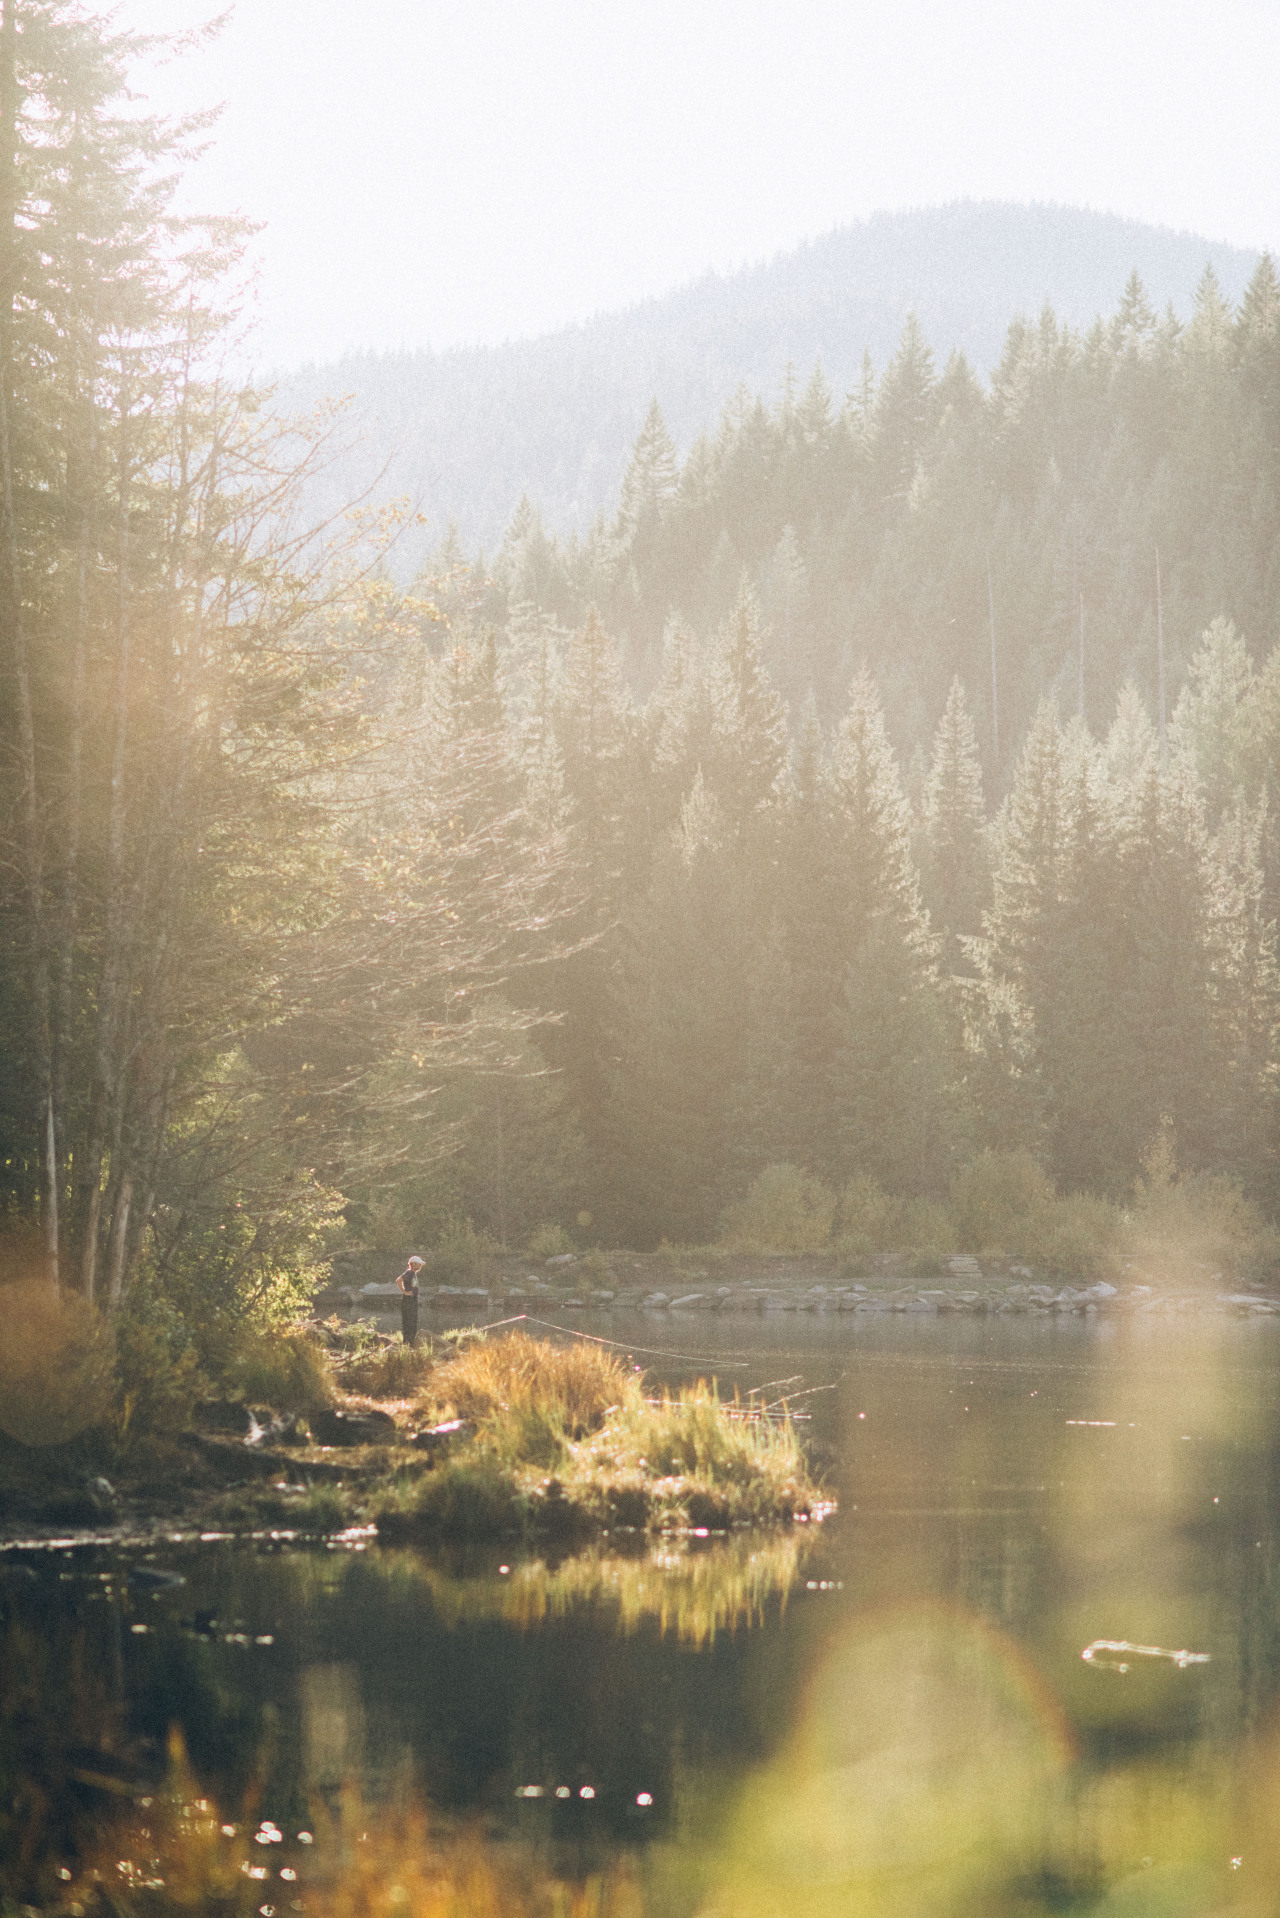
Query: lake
pixel 1030 1666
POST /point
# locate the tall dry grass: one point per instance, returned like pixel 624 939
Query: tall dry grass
pixel 575 1386
pixel 566 1436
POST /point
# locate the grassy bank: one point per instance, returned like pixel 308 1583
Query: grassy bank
pixel 568 1440
pixel 319 1427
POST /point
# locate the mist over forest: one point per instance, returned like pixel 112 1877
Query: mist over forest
pixel 884 785
pixel 462 434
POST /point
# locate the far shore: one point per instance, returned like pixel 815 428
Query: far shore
pixel 715 1281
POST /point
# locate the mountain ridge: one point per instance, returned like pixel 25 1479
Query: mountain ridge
pixel 463 432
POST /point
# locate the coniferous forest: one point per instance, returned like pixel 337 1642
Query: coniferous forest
pixel 894 779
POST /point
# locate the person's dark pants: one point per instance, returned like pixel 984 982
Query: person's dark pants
pixel 409 1318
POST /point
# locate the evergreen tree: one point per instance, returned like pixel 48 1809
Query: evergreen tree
pixel 1246 1001
pixel 954 871
pixel 747 750
pixel 1215 718
pixel 649 483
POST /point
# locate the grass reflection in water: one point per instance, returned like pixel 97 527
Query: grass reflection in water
pixel 690 1587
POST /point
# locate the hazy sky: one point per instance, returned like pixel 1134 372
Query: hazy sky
pixel 432 172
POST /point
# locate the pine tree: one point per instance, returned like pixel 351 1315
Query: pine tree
pixel 649 483
pixel 1214 722
pixel 748 746
pixel 954 870
pixel 1168 1061
pixel 1245 986
pixel 905 411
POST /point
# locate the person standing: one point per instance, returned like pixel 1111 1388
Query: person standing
pixel 408 1283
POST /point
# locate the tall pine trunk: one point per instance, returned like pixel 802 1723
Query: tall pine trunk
pixel 12 614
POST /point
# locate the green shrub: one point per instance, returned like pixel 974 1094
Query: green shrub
pixel 463 1499
pixel 157 1369
pixel 999 1203
pixel 785 1210
pixel 548 1242
pixel 463 1253
pixel 1079 1237
pixel 928 1227
pixel 1199 1227
pixel 869 1218
pixel 389 1372
pixel 284 1370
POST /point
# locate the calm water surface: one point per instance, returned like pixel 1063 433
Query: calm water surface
pixel 890 1713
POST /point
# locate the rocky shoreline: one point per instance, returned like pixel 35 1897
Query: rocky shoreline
pixel 655 1283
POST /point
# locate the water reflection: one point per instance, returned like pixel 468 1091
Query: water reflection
pixel 690 1587
pixel 893 1713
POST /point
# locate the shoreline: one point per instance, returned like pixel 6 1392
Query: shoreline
pixel 718 1282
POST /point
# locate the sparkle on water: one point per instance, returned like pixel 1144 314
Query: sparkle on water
pixel 1026 1668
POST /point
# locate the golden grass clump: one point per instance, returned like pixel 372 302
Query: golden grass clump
pixel 574 1386
pixel 565 1439
pixel 389 1372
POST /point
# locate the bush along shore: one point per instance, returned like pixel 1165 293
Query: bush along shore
pixel 1002 1240
pixel 464 1438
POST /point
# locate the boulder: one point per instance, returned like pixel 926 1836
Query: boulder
pixel 223 1415
pixel 352 1428
pixel 438 1438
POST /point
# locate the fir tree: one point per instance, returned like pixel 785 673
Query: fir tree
pixel 954 855
pixel 748 747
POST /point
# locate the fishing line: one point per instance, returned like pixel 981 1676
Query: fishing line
pixel 620 1345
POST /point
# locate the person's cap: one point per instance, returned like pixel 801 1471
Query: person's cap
pixel 415 1260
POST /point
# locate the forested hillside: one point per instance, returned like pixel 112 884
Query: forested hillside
pixel 810 947
pixel 464 432
pixel 572 891
pixel 1114 488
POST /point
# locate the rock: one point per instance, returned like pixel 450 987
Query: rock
pixel 352 1428
pixel 689 1300
pixel 657 1300
pixel 369 1294
pixel 102 1488
pixel 223 1415
pixel 563 1258
pixel 438 1438
pixel 1101 1290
